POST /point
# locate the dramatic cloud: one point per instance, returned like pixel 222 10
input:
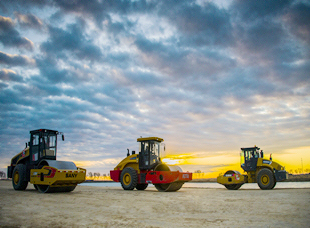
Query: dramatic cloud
pixel 207 76
pixel 298 20
pixel 10 36
pixel 9 75
pixel 71 40
pixel 29 21
pixel 15 60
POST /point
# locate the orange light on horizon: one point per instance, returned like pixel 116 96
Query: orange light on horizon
pixel 296 160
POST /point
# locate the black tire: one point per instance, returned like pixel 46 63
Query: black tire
pixel 171 187
pixel 141 186
pixel 274 185
pixel 49 189
pixel 265 179
pixel 19 177
pixel 42 188
pixel 129 178
pixel 233 186
pixel 36 187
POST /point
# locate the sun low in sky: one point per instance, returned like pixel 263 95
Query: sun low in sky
pixel 208 76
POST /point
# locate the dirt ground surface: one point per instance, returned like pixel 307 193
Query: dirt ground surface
pixel 189 207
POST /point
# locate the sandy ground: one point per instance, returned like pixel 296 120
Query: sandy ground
pixel 189 207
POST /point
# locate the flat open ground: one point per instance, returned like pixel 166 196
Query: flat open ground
pixel 189 207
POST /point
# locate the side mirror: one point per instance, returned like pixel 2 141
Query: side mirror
pixel 63 137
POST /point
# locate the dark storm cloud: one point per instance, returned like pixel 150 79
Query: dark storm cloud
pixel 249 11
pixel 262 30
pixel 298 19
pixel 73 40
pixel 29 21
pixel 10 36
pixel 179 62
pixel 48 68
pixel 100 10
pixel 15 60
pixel 199 25
pixel 263 36
pixel 9 75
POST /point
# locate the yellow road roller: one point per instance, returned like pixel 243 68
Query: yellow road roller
pixel 37 164
pixel 136 171
pixel 265 172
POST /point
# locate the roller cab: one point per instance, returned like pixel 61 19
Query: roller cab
pixel 37 164
pixel 146 167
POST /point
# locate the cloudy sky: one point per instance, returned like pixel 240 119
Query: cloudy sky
pixel 207 76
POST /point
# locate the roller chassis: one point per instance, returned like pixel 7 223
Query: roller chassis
pixel 266 173
pixel 146 167
pixel 155 177
pixel 57 177
pixel 37 164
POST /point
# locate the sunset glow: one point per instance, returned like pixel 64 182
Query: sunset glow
pixel 209 77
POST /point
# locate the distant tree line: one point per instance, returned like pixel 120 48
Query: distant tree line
pixel 299 171
pixel 2 174
pixel 96 175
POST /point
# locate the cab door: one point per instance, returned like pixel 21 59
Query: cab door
pixel 250 161
pixel 34 148
pixel 144 156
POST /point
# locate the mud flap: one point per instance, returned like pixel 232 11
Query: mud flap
pixel 280 175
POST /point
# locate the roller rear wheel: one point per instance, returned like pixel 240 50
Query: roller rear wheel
pixel 129 178
pixel 265 179
pixel 141 186
pixel 19 177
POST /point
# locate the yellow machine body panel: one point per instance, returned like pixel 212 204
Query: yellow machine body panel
pixel 269 164
pixel 231 179
pixel 130 161
pixel 251 176
pixel 57 177
pixel 18 157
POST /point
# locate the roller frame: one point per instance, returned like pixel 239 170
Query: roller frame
pixel 157 177
pixel 165 177
pixel 53 177
pixel 164 181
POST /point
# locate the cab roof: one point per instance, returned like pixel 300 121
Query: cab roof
pixel 251 148
pixel 43 130
pixel 149 139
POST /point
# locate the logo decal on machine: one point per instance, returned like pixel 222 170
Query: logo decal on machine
pixel 267 162
pixel 51 172
pixel 237 177
pixel 68 175
pixel 24 153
